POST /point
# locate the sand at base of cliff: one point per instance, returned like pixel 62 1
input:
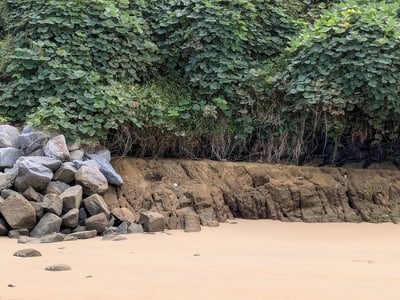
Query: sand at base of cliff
pixel 247 260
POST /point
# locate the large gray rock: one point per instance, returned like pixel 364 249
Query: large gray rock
pixel 17 233
pixel 123 215
pixel 192 223
pixel 49 223
pixel 57 187
pixel 18 212
pixel 152 221
pixel 49 162
pixel 71 218
pixel 82 216
pixel 7 178
pixel 97 222
pixel 33 175
pixel 3 227
pixel 135 228
pixel 92 180
pixel 72 198
pixel 52 203
pixel 57 148
pixel 8 136
pixel 66 173
pixel 107 169
pixel 95 204
pixel 9 156
pixel 32 141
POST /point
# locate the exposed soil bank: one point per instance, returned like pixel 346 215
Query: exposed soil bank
pixel 217 191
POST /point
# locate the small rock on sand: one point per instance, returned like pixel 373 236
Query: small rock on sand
pixel 59 267
pixel 29 252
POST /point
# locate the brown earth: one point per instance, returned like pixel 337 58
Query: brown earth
pixel 218 191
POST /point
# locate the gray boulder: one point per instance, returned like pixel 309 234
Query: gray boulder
pixel 83 235
pixel 192 223
pixel 72 198
pixel 92 180
pixel 3 227
pixel 95 204
pixel 18 212
pixel 152 221
pixel 49 162
pixel 82 216
pixel 56 187
pixel 31 141
pixel 52 203
pixel 48 238
pixel 17 233
pixel 57 148
pixel 66 172
pixel 8 136
pixel 71 218
pixel 122 228
pixel 135 228
pixel 29 252
pixel 33 175
pixel 107 169
pixel 38 209
pixel 9 156
pixel 97 222
pixel 32 195
pixel 7 178
pixel 49 223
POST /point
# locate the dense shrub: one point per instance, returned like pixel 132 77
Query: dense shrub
pixel 346 67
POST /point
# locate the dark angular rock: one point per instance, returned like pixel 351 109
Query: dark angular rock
pixel 31 195
pixel 30 142
pixel 66 173
pixel 107 169
pixel 72 198
pixel 29 252
pixel 52 203
pixel 32 174
pixel 8 157
pixel 49 223
pixel 38 209
pixel 95 204
pixel 3 227
pixel 16 233
pixel 71 218
pixel 18 212
pixel 82 216
pixel 57 148
pixel 82 235
pixel 56 187
pixel 66 231
pixel 58 268
pixel 152 221
pixel 135 228
pixel 92 180
pixel 97 222
pixel 8 136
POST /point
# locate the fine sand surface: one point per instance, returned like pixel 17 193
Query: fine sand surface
pixel 246 260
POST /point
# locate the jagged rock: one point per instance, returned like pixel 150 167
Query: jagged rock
pixel 57 148
pixel 135 228
pixel 3 227
pixel 17 233
pixel 192 223
pixel 49 162
pixel 7 193
pixel 8 156
pixel 122 228
pixel 123 215
pixel 77 154
pixel 82 216
pixel 95 204
pixel 53 203
pixel 31 195
pixel 66 173
pixel 49 223
pixel 72 198
pixel 33 175
pixel 8 136
pixel 92 180
pixel 29 252
pixel 8 177
pixel 71 218
pixel 32 141
pixel 82 235
pixel 107 169
pixel 18 212
pixel 113 237
pixel 58 268
pixel 97 222
pixel 152 221
pixel 38 209
pixel 56 187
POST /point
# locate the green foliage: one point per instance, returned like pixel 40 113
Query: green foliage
pixel 347 65
pixel 66 58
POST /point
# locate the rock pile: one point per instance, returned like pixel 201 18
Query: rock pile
pixel 51 191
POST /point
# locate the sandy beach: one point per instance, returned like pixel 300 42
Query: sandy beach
pixel 242 259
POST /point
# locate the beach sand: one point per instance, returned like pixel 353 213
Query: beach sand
pixel 242 259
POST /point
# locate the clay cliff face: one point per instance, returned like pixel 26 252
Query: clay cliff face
pixel 217 191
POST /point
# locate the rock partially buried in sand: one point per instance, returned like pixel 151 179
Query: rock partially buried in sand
pixel 113 237
pixel 57 268
pixel 29 252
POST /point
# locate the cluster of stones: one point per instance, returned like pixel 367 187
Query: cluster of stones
pixel 51 191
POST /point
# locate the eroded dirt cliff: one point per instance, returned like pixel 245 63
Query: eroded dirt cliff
pixel 217 191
